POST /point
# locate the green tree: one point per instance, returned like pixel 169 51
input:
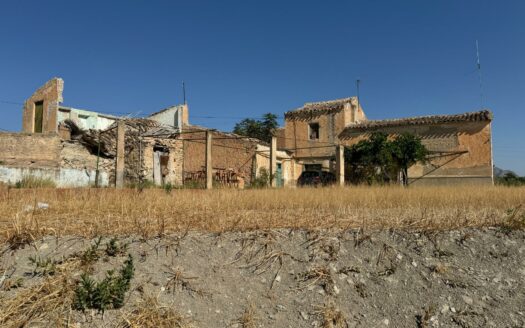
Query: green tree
pixel 379 160
pixel 407 151
pixel 371 160
pixel 259 129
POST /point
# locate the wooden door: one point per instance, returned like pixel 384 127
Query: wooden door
pixel 39 116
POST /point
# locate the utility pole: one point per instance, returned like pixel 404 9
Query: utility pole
pixel 209 166
pixel 121 144
pixel 97 172
pixel 340 164
pixel 273 162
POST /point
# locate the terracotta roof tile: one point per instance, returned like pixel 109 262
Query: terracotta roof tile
pixel 483 115
pixel 315 109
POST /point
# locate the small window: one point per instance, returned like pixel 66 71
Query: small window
pixel 313 131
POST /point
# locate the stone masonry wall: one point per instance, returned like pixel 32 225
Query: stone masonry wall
pixel 75 156
pixel 51 95
pixel 67 163
pixel 30 150
pixel 175 162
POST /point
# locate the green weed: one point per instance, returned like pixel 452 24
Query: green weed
pixel 106 294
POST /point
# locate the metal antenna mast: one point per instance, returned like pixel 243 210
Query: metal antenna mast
pixel 479 74
pixel 184 92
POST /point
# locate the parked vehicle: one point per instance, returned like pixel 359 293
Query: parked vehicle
pixel 316 178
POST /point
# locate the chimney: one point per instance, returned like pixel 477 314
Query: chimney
pixel 184 114
pixel 349 115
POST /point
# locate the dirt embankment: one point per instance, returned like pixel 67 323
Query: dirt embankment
pixel 281 278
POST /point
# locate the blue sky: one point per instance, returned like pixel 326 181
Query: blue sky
pixel 245 58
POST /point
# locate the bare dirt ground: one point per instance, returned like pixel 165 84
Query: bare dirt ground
pixel 279 278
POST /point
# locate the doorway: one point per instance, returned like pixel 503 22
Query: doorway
pixel 39 116
pixel 279 175
pixel 160 165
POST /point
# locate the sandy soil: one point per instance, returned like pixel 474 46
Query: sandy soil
pixel 294 278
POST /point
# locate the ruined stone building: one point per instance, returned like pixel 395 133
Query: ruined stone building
pixel 460 145
pixel 68 145
pixel 234 157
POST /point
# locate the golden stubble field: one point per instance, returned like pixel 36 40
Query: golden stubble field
pixel 152 212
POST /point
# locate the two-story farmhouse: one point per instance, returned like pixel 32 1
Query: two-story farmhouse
pixel 312 131
pixel 460 144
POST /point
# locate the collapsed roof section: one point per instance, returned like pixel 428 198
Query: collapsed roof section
pixel 135 129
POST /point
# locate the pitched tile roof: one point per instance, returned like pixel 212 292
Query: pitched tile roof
pixel 315 109
pixel 483 115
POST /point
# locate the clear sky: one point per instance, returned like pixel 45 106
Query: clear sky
pixel 245 58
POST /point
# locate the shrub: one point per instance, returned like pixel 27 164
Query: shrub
pixel 106 294
pixel 113 248
pixel 43 266
pixel 194 184
pixel 515 220
pixel 31 181
pixel 145 184
pixel 510 179
pixel 168 187
pixel 90 255
pixel 261 181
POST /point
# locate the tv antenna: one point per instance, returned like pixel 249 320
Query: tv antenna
pixel 184 92
pixel 479 75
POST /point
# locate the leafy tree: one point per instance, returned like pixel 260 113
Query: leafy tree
pixel 407 151
pixel 259 129
pixel 379 160
pixel 370 160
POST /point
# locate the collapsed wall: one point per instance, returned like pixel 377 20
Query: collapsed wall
pixel 47 156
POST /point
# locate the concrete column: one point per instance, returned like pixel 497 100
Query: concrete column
pixel 121 134
pixel 340 164
pixel 273 161
pixel 209 167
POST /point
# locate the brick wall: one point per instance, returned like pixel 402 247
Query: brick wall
pixel 67 163
pixel 237 154
pixel 466 147
pixel 51 95
pixel 295 134
pixel 31 150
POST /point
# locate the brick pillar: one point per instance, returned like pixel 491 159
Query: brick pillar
pixel 209 167
pixel 273 161
pixel 340 164
pixel 119 176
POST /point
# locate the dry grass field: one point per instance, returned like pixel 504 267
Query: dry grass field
pixel 154 212
pixel 332 257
